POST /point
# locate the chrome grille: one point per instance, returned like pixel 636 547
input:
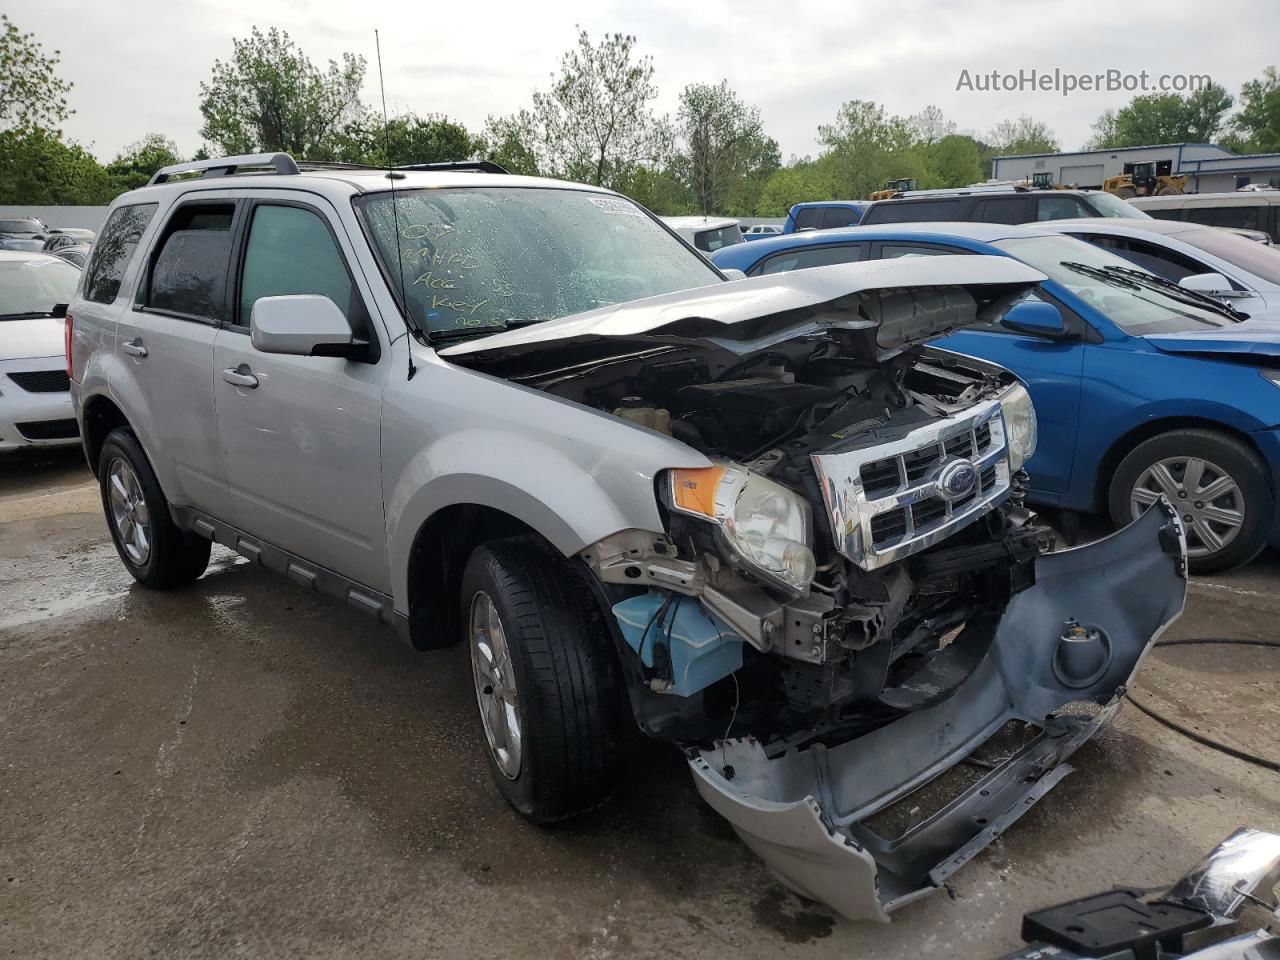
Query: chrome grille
pixel 885 502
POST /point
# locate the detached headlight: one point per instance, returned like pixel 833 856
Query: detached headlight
pixel 760 523
pixel 1020 422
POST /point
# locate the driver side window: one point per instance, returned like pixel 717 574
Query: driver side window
pixel 291 251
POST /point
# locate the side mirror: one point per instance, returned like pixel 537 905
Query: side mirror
pixel 1214 284
pixel 733 273
pixel 303 325
pixel 1036 317
pixel 59 310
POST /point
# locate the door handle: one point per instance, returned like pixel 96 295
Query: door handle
pixel 134 347
pixel 241 376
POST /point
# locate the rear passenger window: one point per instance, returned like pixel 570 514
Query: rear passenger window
pixel 808 217
pixel 1246 217
pixel 291 251
pixel 892 251
pixel 911 211
pixel 1002 210
pixel 1060 208
pixel 189 273
pixel 814 257
pixel 114 249
pixel 840 217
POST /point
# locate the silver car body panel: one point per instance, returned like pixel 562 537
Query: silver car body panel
pixel 804 812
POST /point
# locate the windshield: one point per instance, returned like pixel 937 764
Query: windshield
pixel 1260 259
pixel 1112 206
pixel 486 257
pixel 34 286
pixel 20 226
pixel 1135 309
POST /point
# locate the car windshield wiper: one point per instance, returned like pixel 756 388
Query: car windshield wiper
pixel 1177 290
pixel 462 333
pixel 1138 279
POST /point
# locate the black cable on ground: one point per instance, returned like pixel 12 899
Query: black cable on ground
pixel 1200 738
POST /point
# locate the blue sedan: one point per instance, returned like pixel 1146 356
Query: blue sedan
pixel 1140 387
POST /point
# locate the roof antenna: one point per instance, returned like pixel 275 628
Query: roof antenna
pixel 392 176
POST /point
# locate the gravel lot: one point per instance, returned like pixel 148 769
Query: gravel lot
pixel 245 769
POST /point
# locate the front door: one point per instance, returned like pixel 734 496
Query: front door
pixel 301 435
pixel 1052 370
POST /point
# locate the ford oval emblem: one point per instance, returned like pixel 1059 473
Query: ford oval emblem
pixel 956 479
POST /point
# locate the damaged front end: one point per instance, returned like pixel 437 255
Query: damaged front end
pixel 848 604
pixel 1063 647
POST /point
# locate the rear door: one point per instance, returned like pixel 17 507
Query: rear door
pixel 1011 209
pixel 802 257
pixel 164 350
pixel 301 435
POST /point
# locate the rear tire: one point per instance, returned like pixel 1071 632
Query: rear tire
pixel 150 545
pixel 548 682
pixel 1126 193
pixel 1216 483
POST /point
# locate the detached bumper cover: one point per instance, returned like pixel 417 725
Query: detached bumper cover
pixel 804 811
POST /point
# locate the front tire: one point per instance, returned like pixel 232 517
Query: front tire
pixel 548 683
pixel 1216 483
pixel 150 545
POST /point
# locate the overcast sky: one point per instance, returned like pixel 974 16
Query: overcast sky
pixel 137 65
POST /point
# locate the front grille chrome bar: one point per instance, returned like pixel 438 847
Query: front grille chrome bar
pixel 884 500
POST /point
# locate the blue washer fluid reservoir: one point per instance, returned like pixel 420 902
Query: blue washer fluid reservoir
pixel 703 647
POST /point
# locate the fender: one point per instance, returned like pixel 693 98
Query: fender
pixel 573 474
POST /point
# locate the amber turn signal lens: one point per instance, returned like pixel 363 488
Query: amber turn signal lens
pixel 694 489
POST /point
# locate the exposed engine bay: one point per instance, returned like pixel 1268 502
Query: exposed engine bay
pixel 852 599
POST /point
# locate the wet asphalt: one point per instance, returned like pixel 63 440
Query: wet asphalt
pixel 243 769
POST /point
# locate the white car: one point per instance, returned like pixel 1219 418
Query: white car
pixel 35 398
pixel 707 234
pixel 758 231
pixel 1209 260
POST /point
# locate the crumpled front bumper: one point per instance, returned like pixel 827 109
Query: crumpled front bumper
pixel 805 812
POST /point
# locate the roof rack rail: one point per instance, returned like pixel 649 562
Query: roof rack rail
pixel 476 166
pixel 225 166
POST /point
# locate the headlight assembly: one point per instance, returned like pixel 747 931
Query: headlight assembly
pixel 762 524
pixel 1020 422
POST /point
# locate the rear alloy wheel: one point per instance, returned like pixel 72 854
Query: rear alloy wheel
pixel 151 546
pixel 1217 485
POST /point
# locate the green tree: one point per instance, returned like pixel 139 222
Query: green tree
pixel 269 96
pixel 134 165
pixel 1163 118
pixel 722 147
pixel 595 123
pixel 37 167
pixel 409 138
pixel 800 182
pixel 1023 135
pixel 1103 131
pixel 865 147
pixel 512 141
pixel 955 161
pixel 31 93
pixel 1258 123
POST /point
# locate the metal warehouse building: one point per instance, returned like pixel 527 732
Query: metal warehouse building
pixel 1212 168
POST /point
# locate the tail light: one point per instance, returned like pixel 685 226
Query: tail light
pixel 69 323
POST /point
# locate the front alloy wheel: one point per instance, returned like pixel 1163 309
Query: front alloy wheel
pixel 1206 495
pixel 494 677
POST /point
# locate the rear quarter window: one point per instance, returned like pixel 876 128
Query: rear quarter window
pixel 114 249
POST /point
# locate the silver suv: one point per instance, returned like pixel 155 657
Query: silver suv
pixel 760 519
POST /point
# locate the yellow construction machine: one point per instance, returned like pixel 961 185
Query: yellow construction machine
pixel 894 187
pixel 1144 181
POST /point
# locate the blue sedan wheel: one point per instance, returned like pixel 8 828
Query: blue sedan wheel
pixel 1218 485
